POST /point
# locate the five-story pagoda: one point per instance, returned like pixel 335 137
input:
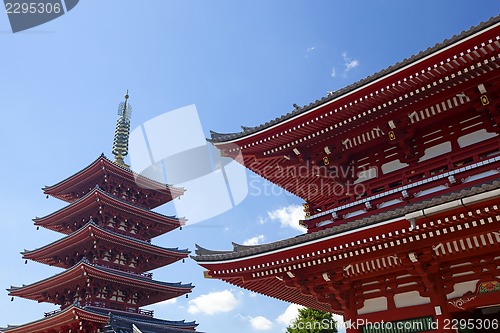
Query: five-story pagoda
pixel 107 251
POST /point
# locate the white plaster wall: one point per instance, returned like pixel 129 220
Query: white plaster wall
pixel 392 166
pixel 474 137
pixel 409 299
pixel 436 150
pixel 367 175
pixel 373 305
pixel 462 288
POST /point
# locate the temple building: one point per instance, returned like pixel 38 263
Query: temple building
pixel 106 253
pixel 400 174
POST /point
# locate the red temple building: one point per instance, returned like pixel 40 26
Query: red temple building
pixel 106 252
pixel 400 174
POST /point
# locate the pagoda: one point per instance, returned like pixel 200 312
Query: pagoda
pixel 106 253
pixel 400 174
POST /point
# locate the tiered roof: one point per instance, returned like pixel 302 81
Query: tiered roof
pixel 107 250
pixel 100 171
pixel 77 277
pixel 352 230
pixel 58 319
pixel 83 240
pixel 429 218
pixel 114 323
pixel 127 324
pixel 298 270
pixel 90 206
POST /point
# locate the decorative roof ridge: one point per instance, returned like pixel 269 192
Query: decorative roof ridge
pixel 66 271
pixel 107 194
pixel 202 251
pixel 46 187
pixel 133 173
pixel 62 312
pixel 141 278
pixel 213 255
pixel 221 137
pixel 239 247
pixel 125 237
pixel 97 189
pixel 152 321
pixel 81 230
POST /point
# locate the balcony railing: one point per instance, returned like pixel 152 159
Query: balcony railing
pixel 124 310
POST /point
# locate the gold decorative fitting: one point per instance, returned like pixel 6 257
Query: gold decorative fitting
pixel 484 100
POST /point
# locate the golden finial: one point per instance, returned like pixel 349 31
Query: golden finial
pixel 122 132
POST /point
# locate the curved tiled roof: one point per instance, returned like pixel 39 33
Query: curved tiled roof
pixel 204 255
pixel 157 216
pixel 54 190
pixel 84 262
pixel 223 137
pixel 117 323
pixel 124 238
pixel 124 324
pixel 69 311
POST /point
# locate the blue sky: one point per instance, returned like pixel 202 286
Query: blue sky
pixel 240 63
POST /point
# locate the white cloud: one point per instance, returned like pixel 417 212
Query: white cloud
pixel 212 303
pixel 252 294
pixel 258 323
pixel 261 323
pixel 334 72
pixel 309 50
pixel 262 220
pixel 291 312
pixel 254 240
pixel 288 216
pixel 168 301
pixel 349 63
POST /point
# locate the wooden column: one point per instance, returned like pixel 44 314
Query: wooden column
pixel 341 289
pixel 431 275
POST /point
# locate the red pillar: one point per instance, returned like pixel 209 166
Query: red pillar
pixel 442 315
pixel 351 315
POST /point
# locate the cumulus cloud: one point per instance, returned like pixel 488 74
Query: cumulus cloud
pixel 287 317
pixel 349 63
pixel 258 323
pixel 288 216
pixel 254 240
pixel 213 303
pixel 261 323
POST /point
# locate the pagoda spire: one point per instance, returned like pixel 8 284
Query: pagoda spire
pixel 122 131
